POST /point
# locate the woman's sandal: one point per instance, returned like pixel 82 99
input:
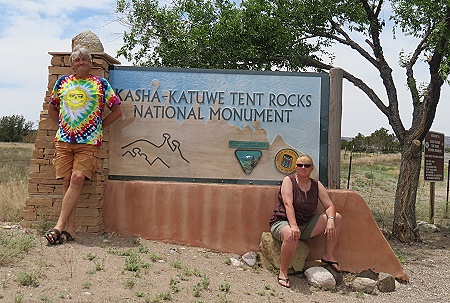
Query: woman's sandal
pixel 284 282
pixel 332 263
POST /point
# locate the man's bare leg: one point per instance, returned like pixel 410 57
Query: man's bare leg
pixel 71 190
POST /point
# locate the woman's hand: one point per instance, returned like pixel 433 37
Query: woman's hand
pixel 295 233
pixel 330 230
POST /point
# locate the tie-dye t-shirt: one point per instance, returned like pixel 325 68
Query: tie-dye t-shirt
pixel 81 104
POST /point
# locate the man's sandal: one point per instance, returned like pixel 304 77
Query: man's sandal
pixel 52 236
pixel 65 237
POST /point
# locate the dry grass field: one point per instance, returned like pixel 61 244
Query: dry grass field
pixel 14 169
pixel 374 177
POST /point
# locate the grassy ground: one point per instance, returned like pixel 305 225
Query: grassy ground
pixel 14 169
pixel 374 177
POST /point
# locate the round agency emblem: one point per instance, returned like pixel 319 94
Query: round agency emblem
pixel 285 160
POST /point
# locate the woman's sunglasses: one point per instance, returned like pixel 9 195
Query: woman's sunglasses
pixel 304 165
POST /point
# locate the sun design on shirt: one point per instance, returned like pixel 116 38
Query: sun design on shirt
pixel 76 98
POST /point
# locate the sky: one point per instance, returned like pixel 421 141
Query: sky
pixel 29 30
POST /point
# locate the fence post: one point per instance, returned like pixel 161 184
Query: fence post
pixel 334 128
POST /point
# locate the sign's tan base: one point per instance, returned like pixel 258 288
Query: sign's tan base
pixel 231 218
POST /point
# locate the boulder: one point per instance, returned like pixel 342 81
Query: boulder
pixel 368 273
pixel 338 276
pixel 386 282
pixel 365 285
pixel 249 258
pixel 271 250
pixel 88 40
pixel 427 227
pixel 320 277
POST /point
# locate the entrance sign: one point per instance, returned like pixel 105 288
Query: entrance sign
pixel 434 157
pixel 217 125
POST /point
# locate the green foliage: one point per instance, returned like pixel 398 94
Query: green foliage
pixel 225 287
pixel 400 256
pixel 154 257
pixel 121 252
pixel 165 296
pixel 14 128
pixel 140 294
pixel 143 249
pixel 28 279
pixel 133 263
pixel 47 299
pixel 176 264
pixel 197 290
pixel 18 298
pixel 14 246
pixel 174 285
pixel 380 141
pixel 90 256
pixel 130 283
pixel 210 34
pixel 99 265
pixel 86 285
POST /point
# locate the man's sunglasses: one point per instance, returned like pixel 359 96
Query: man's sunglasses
pixel 304 165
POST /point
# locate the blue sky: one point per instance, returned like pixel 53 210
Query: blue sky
pixel 30 29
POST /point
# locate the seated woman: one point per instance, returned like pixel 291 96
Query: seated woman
pixel 296 217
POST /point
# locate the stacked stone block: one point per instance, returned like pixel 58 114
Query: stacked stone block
pixel 44 191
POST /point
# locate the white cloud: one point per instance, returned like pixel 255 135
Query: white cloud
pixel 32 29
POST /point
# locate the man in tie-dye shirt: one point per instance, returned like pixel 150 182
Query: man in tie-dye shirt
pixel 78 101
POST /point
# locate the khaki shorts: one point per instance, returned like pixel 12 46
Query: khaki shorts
pixel 305 230
pixel 72 157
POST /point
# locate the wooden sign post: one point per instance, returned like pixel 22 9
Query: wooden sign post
pixel 433 165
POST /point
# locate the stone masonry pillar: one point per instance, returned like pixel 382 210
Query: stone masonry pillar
pixel 44 191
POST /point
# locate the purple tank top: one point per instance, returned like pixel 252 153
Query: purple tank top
pixel 305 204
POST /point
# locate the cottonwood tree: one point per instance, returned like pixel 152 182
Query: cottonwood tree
pixel 298 34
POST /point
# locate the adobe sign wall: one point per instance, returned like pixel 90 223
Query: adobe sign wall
pixel 217 125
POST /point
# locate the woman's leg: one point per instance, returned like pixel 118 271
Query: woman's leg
pixel 330 242
pixel 288 247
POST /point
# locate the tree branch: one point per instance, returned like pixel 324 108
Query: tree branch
pixel 424 119
pixel 379 7
pixel 347 41
pixel 410 80
pixel 357 82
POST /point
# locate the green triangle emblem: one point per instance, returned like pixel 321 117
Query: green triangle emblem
pixel 248 159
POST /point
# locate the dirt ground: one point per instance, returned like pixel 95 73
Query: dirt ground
pixel 112 268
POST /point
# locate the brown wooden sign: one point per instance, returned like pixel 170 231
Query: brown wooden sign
pixel 434 157
pixel 217 126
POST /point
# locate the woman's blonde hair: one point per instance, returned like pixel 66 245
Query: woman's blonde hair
pixel 307 157
pixel 314 173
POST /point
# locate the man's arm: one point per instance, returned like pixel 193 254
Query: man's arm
pixel 116 113
pixel 53 111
